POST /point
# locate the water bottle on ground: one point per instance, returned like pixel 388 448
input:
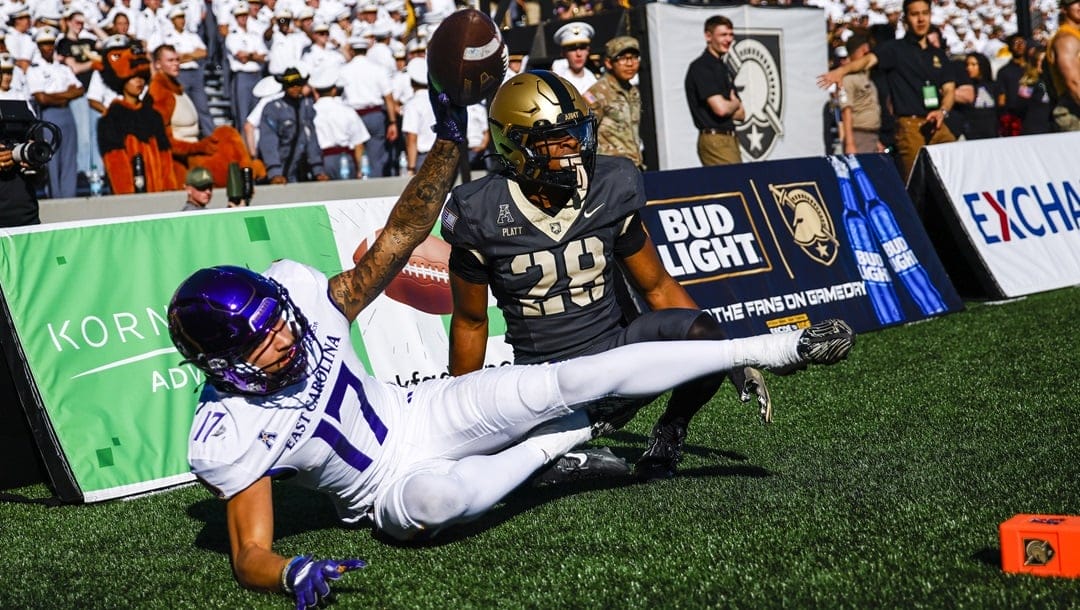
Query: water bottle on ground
pixel 344 169
pixel 365 167
pixel 95 180
pixel 138 171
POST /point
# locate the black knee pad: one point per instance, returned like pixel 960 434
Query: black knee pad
pixel 705 327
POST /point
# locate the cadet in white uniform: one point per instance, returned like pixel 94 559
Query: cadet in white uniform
pixel 340 131
pixel 574 40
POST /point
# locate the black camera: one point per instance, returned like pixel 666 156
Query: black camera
pixel 30 140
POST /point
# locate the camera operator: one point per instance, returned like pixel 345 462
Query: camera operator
pixel 18 201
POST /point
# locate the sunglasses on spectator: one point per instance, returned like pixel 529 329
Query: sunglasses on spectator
pixel 627 58
pixel 576 47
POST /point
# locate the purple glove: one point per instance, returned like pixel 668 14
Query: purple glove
pixel 451 120
pixel 306 578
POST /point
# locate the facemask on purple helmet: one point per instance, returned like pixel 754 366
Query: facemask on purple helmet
pixel 220 315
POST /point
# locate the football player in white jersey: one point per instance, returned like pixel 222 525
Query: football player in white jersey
pixel 287 396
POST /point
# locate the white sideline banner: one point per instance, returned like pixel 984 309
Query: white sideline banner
pixel 776 55
pixel 1018 201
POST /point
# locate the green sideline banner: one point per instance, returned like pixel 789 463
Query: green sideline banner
pixel 110 405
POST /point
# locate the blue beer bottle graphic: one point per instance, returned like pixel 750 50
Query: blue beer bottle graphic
pixel 901 258
pixel 871 267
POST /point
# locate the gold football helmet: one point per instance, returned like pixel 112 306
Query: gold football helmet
pixel 534 109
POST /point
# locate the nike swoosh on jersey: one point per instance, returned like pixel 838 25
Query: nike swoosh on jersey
pixel 589 213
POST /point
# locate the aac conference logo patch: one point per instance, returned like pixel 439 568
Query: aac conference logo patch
pixel 755 62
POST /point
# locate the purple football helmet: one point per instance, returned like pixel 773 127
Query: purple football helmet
pixel 219 315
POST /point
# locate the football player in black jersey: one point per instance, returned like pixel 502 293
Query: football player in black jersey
pixel 552 235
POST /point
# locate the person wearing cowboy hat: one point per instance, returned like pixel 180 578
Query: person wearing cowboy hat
pixel 287 141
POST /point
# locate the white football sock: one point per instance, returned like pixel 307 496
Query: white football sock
pixel 646 369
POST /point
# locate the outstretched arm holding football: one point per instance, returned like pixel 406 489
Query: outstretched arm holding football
pixel 411 218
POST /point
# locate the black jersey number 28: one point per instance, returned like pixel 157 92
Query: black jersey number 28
pixel 578 276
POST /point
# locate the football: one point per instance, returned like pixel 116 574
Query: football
pixel 467 57
pixel 424 283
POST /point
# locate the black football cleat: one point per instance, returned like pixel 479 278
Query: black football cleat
pixel 826 342
pixel 581 464
pixel 662 456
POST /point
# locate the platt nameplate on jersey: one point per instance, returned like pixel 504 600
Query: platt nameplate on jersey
pixel 1043 545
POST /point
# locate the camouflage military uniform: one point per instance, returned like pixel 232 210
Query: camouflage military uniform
pixel 618 111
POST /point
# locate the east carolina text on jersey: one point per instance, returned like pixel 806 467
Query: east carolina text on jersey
pixel 328 431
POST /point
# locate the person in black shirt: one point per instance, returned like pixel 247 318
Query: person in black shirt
pixel 920 82
pixel 714 102
pixel 1008 77
pixel 1034 95
pixel 18 201
pixel 979 118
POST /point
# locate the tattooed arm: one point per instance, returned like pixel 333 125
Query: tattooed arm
pixel 409 223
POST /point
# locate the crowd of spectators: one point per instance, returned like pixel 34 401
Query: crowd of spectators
pixel 51 54
pixel 256 55
pixel 966 25
pixel 1000 90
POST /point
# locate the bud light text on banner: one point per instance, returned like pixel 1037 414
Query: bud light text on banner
pixel 703 239
pixel 901 259
pixel 787 243
pixel 870 263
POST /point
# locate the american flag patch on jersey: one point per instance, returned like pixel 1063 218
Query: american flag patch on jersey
pixel 449 219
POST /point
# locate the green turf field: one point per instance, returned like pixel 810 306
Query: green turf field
pixel 881 484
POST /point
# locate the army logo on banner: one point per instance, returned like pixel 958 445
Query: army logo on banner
pixel 809 221
pixel 754 61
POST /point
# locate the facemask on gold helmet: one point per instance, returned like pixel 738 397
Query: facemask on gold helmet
pixel 544 131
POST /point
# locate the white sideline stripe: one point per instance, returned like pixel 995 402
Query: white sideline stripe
pixel 141 488
pixel 126 361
